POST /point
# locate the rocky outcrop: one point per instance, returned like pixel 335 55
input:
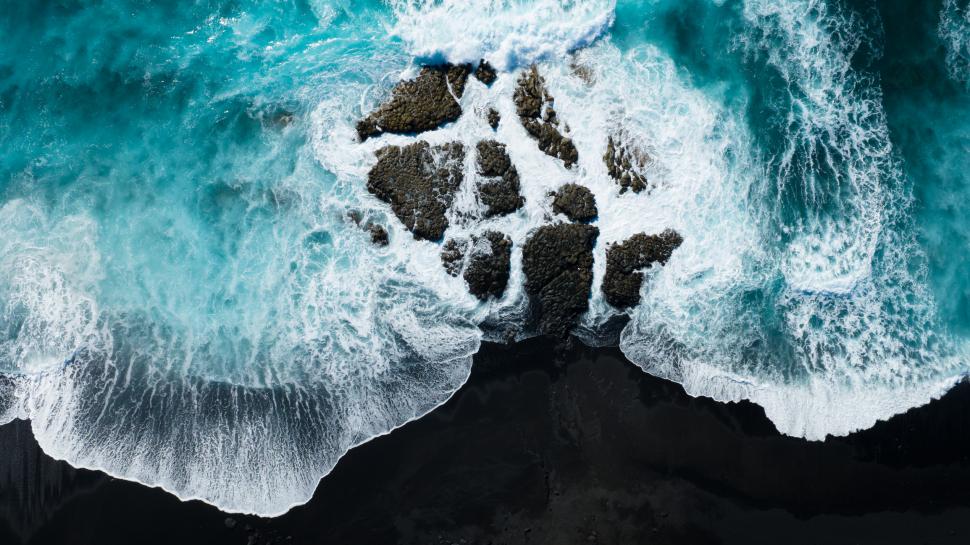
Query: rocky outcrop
pixel 499 192
pixel 575 202
pixel 485 72
pixel 534 106
pixel 484 262
pixel 421 104
pixel 419 182
pixel 493 118
pixel 625 166
pixel 625 261
pixel 558 265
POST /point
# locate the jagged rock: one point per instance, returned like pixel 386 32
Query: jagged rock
pixel 623 166
pixel 378 234
pixel 419 182
pixel 493 118
pixel 558 265
pixel 500 191
pixel 624 262
pixel 484 263
pixel 576 202
pixel 453 256
pixel 421 104
pixel 487 273
pixel 534 106
pixel 485 72
pixel 493 159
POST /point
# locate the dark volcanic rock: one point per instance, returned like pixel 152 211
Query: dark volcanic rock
pixel 485 72
pixel 378 234
pixel 483 262
pixel 493 118
pixel 500 191
pixel 487 273
pixel 453 256
pixel 621 284
pixel 576 202
pixel 534 106
pixel 421 104
pixel 493 159
pixel 419 182
pixel 622 164
pixel 558 265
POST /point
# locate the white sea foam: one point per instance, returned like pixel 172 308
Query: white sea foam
pixel 954 30
pixel 507 33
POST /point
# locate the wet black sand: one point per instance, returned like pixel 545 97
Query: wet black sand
pixel 556 447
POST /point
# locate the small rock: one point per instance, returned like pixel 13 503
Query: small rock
pixel 453 256
pixel 487 273
pixel 624 166
pixel 575 202
pixel 493 118
pixel 624 262
pixel 378 234
pixel 485 72
pixel 500 192
pixel 486 261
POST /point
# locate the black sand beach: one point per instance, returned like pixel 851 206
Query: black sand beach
pixel 547 446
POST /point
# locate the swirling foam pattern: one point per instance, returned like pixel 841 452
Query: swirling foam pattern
pixel 184 301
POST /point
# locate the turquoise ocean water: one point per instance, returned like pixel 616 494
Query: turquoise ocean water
pixel 184 302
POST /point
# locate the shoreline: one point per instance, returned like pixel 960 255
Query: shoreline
pixel 552 445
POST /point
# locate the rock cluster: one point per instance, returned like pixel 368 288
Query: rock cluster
pixel 558 265
pixel 421 104
pixel 534 106
pixel 624 262
pixel 575 202
pixel 499 192
pixel 623 166
pixel 419 182
pixel 485 72
pixel 484 263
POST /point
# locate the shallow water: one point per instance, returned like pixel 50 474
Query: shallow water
pixel 185 302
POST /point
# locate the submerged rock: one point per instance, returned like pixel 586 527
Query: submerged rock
pixel 378 234
pixel 624 262
pixel 419 182
pixel 500 192
pixel 558 265
pixel 421 104
pixel 575 202
pixel 624 166
pixel 485 72
pixel 534 106
pixel 484 263
pixel 493 118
